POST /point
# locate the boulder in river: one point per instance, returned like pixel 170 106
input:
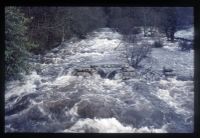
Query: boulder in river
pixel 111 75
pixel 21 104
pixel 85 72
pixel 168 72
pixel 101 73
pixel 98 107
pixel 128 72
pixel 57 106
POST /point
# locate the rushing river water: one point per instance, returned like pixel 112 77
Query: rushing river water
pixel 59 97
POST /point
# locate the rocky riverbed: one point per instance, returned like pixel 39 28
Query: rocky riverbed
pixel 87 86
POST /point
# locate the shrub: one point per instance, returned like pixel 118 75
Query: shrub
pixel 158 44
pixel 137 54
pixel 17 45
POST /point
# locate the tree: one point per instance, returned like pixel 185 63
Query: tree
pixel 16 42
pixel 143 16
pixel 184 17
pixel 53 25
pixel 169 22
pixel 137 53
pixel 45 29
pixel 121 19
pixel 87 19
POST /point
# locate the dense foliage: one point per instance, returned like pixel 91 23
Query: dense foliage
pixel 52 25
pixel 48 27
pixel 17 43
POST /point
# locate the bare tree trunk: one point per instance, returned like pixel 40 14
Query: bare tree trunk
pixel 145 26
pixel 63 33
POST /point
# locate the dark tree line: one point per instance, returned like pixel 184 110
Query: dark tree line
pixel 52 25
pixel 17 44
pixel 39 29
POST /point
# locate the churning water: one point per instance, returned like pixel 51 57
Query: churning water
pixel 65 94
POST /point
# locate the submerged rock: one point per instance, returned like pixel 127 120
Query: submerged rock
pixel 97 107
pixel 36 113
pixel 134 116
pixel 184 78
pixel 101 73
pixel 169 74
pixel 167 70
pixel 57 106
pixel 21 104
pixel 111 75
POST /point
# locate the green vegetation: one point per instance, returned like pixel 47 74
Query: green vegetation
pixel 39 29
pixel 17 43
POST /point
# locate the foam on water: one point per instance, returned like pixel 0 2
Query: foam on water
pixel 176 95
pixel 53 100
pixel 108 125
pixel 27 86
pixel 63 80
